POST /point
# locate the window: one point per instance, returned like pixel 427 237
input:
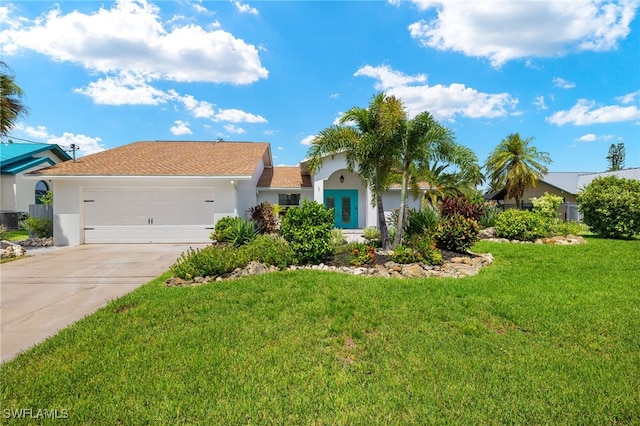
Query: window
pixel 289 199
pixel 41 189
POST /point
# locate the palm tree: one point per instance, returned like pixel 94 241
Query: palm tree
pixel 514 164
pixel 11 106
pixel 368 146
pixel 431 154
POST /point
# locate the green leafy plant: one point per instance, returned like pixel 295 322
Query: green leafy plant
pixel 460 205
pixel 489 215
pixel 47 198
pixel 423 221
pixel 611 206
pixel 307 228
pixel 39 227
pixel 3 233
pixel 457 233
pixel 209 261
pixel 567 228
pixel 406 255
pixel 522 225
pixel 271 250
pixel 264 217
pixel 372 236
pixel 222 228
pixel 337 238
pixel 362 254
pixel 426 245
pixel 240 232
pixel 547 205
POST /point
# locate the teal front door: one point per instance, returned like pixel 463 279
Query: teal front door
pixel 345 205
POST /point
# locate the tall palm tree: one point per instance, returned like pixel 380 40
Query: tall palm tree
pixel 368 146
pixel 431 154
pixel 515 164
pixel 11 106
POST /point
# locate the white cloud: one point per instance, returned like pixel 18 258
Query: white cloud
pixel 244 8
pixel 539 102
pixel 585 112
pixel 589 137
pixel 270 132
pixel 88 145
pixel 124 89
pixel 237 116
pixel 180 128
pixel 506 30
pixel 307 140
pixel 280 148
pixel 131 37
pixel 629 97
pixel 562 83
pixel 444 102
pixel 233 129
pixel 199 109
pixel 334 96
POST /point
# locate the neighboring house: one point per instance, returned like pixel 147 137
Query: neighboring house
pixel 566 185
pixel 167 191
pixel 18 159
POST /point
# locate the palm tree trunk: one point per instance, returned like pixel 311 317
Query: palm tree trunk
pixel 402 214
pixel 382 221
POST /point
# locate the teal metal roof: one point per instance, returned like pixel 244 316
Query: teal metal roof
pixel 18 157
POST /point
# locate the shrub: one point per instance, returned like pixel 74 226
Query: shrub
pixel 611 206
pixel 362 254
pixel 457 233
pixel 3 233
pixel 264 217
pixel 308 230
pixel 209 261
pixel 39 227
pixel 240 232
pixel 405 254
pixel 270 250
pixel 337 238
pixel 372 236
pixel 423 221
pixel 47 198
pixel 522 225
pixel 489 215
pixel 547 205
pixel 222 228
pixel 426 246
pixel 461 206
pixel 567 228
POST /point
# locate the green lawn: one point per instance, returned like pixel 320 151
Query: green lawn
pixel 546 335
pixel 17 235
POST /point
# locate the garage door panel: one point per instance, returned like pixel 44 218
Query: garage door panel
pixel 116 215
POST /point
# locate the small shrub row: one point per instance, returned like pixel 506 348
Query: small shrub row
pixel 308 230
pixel 457 233
pixel 362 254
pixel 39 227
pixel 523 225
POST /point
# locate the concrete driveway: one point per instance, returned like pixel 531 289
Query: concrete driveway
pixel 45 293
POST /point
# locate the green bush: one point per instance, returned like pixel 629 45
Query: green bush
pixel 423 221
pixel 611 206
pixel 426 245
pixel 547 205
pixel 222 228
pixel 308 230
pixel 337 238
pixel 457 233
pixel 372 236
pixel 567 228
pixel 522 225
pixel 209 261
pixel 489 215
pixel 270 250
pixel 240 232
pixel 3 233
pixel 405 254
pixel 38 227
pixel 264 217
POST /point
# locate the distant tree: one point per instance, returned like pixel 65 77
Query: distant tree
pixel 515 164
pixel 368 146
pixel 11 106
pixel 616 157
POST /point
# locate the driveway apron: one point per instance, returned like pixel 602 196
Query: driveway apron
pixel 44 293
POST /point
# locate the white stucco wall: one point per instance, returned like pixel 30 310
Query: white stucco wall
pixel 68 204
pixel 271 194
pixel 391 200
pixel 8 192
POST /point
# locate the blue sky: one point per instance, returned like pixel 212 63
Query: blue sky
pixel 104 74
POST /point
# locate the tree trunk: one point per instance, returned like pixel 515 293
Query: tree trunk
pixel 382 221
pixel 402 214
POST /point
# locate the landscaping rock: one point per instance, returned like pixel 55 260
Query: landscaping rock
pixel 9 250
pixel 36 242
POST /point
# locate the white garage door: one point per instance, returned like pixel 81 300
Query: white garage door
pixel 157 215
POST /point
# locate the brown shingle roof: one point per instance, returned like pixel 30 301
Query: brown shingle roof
pixel 167 158
pixel 284 177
